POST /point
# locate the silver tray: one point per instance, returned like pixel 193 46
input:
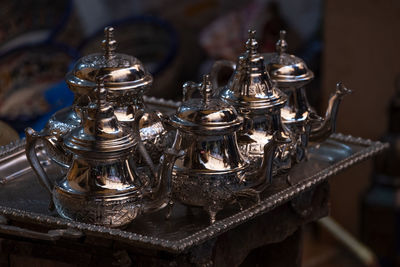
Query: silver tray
pixel 22 199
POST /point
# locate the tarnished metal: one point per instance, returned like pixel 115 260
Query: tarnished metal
pixel 23 199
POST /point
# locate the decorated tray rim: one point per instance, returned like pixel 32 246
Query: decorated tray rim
pixel 211 231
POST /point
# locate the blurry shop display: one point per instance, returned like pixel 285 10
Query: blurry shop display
pixel 33 62
pixel 32 83
pixel 152 39
pixel 31 22
pixel 380 204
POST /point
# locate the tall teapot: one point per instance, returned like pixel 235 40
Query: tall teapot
pixel 103 185
pixel 126 80
pixel 251 91
pixel 212 171
pixel 291 75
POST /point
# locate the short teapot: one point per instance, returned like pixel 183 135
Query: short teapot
pixel 103 186
pixel 212 171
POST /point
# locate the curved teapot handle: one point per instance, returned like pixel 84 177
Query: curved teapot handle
pixel 215 71
pixel 188 89
pixel 32 138
pixel 142 149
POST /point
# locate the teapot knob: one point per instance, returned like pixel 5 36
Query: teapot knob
pixel 252 44
pixel 188 89
pixel 101 92
pixel 109 44
pixel 206 88
pixel 281 46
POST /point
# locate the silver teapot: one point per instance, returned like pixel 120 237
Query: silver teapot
pixel 212 171
pixel 251 91
pixel 126 80
pixel 291 75
pixel 103 186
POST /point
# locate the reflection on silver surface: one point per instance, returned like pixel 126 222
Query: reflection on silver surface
pixel 23 199
pixel 212 171
pixel 292 74
pixel 127 80
pixel 259 101
pixel 330 151
pixel 102 185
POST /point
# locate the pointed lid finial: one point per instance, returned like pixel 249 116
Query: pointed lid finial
pixel 206 88
pixel 281 46
pixel 252 44
pixel 109 43
pixel 101 93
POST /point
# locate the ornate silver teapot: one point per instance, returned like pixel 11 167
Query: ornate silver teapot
pixel 212 171
pixel 126 80
pixel 103 186
pixel 251 91
pixel 291 75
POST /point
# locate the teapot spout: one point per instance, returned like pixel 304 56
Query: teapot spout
pixel 321 130
pixel 265 172
pixel 160 194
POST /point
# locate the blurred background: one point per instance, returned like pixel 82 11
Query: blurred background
pixel 356 42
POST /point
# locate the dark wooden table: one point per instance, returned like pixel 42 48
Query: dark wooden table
pixel 272 239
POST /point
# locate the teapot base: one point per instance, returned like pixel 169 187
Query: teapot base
pixel 111 211
pixel 211 192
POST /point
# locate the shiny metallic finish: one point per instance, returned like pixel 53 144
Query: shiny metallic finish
pixel 126 80
pixel 212 172
pixel 321 130
pixel 287 70
pixel 122 73
pixel 22 201
pixel 291 75
pixel 102 185
pixel 259 101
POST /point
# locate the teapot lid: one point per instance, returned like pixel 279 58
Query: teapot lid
pixel 100 135
pixel 121 72
pixel 286 69
pixel 250 86
pixel 206 115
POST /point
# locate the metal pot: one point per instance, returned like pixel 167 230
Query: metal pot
pixel 251 91
pixel 103 185
pixel 212 171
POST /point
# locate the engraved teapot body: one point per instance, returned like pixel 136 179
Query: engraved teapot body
pixel 103 185
pixel 212 171
pixel 251 91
